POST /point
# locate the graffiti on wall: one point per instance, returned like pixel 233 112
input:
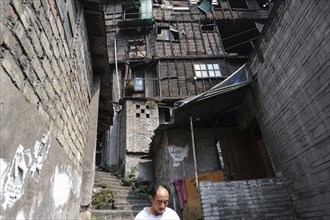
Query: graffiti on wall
pixel 22 165
pixel 65 182
pixel 178 154
pixel 62 188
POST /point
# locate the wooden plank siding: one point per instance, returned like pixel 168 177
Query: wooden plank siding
pixel 192 40
pixel 177 77
pixel 166 50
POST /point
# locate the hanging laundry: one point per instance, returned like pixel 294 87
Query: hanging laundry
pixel 180 187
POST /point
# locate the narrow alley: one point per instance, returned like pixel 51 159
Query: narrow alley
pixel 223 102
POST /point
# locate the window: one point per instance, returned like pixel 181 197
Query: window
pixel 238 4
pixel 139 85
pixel 180 5
pixel 208 27
pixel 167 34
pixel 136 45
pixel 68 11
pixel 207 70
pixel 195 2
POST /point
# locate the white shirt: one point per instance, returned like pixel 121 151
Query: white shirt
pixel 169 214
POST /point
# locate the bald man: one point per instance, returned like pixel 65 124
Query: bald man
pixel 159 197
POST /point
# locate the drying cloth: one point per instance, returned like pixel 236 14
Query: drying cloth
pixel 180 187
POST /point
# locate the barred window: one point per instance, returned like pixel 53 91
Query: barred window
pixel 207 70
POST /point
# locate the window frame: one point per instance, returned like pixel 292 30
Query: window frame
pixel 69 12
pixel 173 35
pixel 207 70
pixel 197 2
pixel 139 82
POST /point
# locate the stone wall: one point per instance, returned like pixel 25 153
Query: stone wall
pixel 251 199
pixel 291 65
pixel 141 121
pixel 45 110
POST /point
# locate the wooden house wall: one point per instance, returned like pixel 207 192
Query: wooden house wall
pixel 192 40
pixel 177 78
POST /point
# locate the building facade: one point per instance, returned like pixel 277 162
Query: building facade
pixel 285 112
pixel 164 51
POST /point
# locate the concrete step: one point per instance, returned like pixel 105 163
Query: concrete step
pixel 133 201
pixel 114 214
pixel 135 207
pixel 129 196
pixel 126 203
pixel 109 178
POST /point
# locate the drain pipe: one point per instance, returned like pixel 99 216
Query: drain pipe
pixel 116 66
pixel 117 110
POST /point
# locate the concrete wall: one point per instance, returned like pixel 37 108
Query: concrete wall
pixel 251 199
pixel 45 108
pixel 175 150
pixel 291 64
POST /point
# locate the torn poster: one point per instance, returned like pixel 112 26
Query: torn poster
pixel 40 154
pixel 17 173
pixel 178 154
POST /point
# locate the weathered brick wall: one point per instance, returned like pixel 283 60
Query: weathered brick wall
pixel 291 64
pixel 252 199
pixel 162 161
pixel 45 93
pixel 141 121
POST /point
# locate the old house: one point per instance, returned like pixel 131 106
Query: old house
pixel 164 51
pixel 256 146
pixel 55 96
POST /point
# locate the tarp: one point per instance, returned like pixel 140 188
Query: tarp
pixel 208 106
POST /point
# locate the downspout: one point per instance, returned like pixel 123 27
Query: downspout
pixel 194 150
pixel 117 111
pixel 116 66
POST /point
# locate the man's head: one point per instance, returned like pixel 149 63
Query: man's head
pixel 159 197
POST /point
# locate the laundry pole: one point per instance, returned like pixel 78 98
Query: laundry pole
pixel 194 150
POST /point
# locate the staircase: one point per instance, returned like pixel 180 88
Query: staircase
pixel 123 204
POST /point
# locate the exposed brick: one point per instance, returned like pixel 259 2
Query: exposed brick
pixel 43 113
pixel 13 70
pixel 293 113
pixel 23 15
pixel 35 42
pixel 37 68
pixel 54 26
pixel 30 94
pixel 48 69
pixel 45 44
pixel 258 200
pixel 9 41
pixel 24 40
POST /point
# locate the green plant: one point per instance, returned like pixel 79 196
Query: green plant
pixel 129 177
pixel 93 217
pixel 105 196
pixel 141 189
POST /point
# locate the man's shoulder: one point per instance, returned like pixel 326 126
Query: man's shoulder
pixel 141 214
pixel 171 213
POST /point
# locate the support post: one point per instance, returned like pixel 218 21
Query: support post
pixel 194 150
